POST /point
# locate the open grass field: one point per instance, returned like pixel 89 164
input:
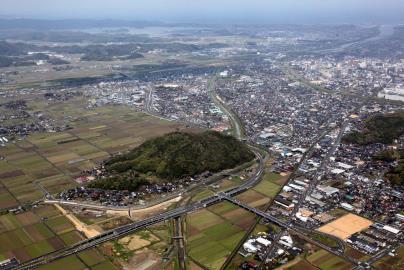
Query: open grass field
pixel 138 249
pixel 268 188
pixel 205 193
pixel 213 233
pixel 53 160
pixel 327 261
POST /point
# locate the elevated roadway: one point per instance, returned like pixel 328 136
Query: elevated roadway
pixel 139 225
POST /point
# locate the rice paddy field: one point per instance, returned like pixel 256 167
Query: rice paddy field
pixel 391 263
pixel 213 233
pixel 51 161
pixel 42 230
pixel 90 259
pixel 321 259
pixel 327 261
pixel 259 197
pixel 264 192
pixel 237 260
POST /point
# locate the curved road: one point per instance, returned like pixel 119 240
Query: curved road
pixel 133 227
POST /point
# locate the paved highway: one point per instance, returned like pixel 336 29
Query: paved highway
pixel 136 226
pixel 171 214
pixel 271 250
pixel 317 177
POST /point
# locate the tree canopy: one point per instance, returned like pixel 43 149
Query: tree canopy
pixel 172 157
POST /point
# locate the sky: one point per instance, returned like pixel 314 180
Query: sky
pixel 212 11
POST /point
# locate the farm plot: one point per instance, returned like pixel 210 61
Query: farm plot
pixel 33 233
pixel 42 230
pixel 327 261
pixel 53 160
pixel 213 233
pixel 89 259
pixel 391 263
pixel 264 192
pixel 253 198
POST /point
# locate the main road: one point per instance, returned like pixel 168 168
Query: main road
pixel 317 177
pixel 171 214
pixel 292 229
pixel 136 226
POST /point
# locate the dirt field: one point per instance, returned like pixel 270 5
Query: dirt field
pixel 346 226
pixel 144 261
pixel 136 242
pixel 89 231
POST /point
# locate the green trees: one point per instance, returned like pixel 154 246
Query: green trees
pixel 381 128
pixel 174 156
pixel 396 175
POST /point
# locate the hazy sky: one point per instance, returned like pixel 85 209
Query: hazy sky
pixel 242 11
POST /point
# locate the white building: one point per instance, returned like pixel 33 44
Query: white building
pixel 286 240
pixel 391 229
pixel 263 241
pixel 328 190
pixel 347 206
pixel 337 171
pixel 249 247
pixel 299 188
pixel 224 73
pixel 396 93
pixel 287 189
pixel 344 166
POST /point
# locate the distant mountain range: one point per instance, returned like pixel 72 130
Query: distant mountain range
pixel 38 24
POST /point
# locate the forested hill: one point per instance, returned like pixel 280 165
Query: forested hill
pixel 172 157
pixel 381 128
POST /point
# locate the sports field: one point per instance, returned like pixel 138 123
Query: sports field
pixel 51 161
pixel 340 229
